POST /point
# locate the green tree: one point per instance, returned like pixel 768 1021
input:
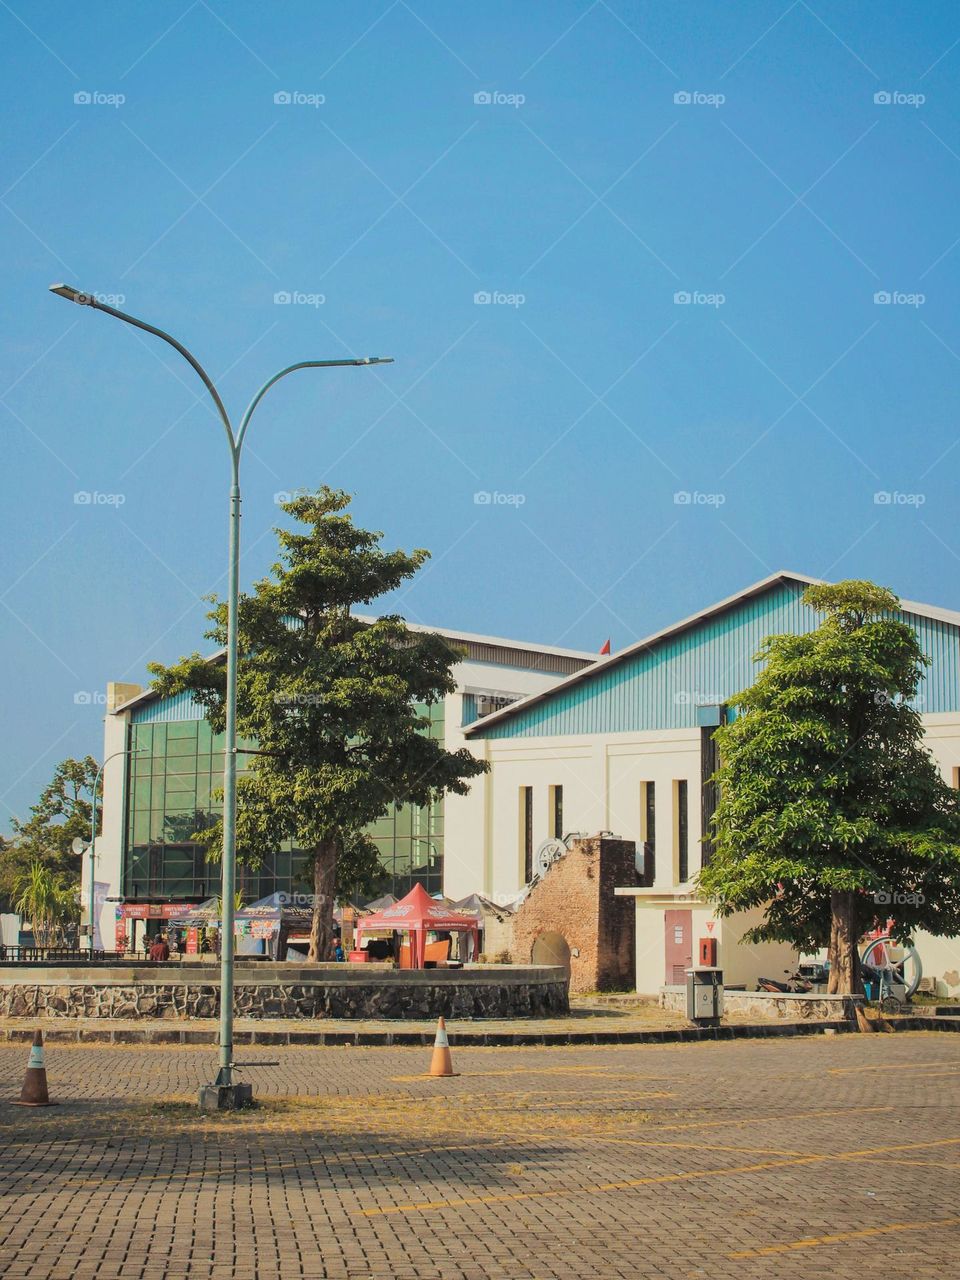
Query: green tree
pixel 330 701
pixel 62 812
pixel 48 901
pixel 832 814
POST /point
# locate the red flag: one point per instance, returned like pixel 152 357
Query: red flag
pixel 606 647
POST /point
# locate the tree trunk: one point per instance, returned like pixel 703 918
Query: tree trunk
pixel 843 952
pixel 324 896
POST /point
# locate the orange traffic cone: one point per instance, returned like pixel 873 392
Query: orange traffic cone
pixel 34 1091
pixel 441 1064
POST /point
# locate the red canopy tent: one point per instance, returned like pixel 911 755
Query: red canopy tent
pixel 418 914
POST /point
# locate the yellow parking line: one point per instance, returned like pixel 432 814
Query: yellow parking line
pixel 796 1115
pixel 656 1179
pixel 883 1066
pixel 931 1164
pixel 697 1146
pixel 814 1242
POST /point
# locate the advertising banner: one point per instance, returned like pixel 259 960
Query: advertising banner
pixel 154 910
pixel 100 891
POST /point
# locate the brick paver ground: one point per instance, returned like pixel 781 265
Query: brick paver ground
pixel 589 1020
pixel 792 1159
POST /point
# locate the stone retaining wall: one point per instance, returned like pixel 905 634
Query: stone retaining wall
pixel 772 1005
pixel 503 991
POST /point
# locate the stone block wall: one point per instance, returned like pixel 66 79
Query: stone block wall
pixel 571 916
pixel 504 992
pixel 767 1005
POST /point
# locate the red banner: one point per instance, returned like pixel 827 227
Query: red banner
pixel 154 910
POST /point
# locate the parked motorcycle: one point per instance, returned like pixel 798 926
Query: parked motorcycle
pixel 796 984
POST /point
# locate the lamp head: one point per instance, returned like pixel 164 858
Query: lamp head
pixel 73 295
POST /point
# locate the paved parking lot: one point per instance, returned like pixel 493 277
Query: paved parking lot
pixel 803 1158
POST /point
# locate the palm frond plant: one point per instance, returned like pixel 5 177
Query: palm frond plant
pixel 41 897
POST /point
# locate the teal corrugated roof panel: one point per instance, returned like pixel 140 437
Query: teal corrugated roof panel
pixel 179 706
pixel 660 687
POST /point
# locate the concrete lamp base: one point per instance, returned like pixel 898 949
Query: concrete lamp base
pixel 225 1097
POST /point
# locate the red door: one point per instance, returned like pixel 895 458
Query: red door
pixel 678 946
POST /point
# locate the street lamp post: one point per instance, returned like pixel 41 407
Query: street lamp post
pixel 224 1093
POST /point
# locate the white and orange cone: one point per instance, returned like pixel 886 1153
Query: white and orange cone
pixel 34 1092
pixel 441 1064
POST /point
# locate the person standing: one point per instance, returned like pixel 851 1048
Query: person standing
pixel 159 950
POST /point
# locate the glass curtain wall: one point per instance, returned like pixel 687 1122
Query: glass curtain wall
pixel 173 776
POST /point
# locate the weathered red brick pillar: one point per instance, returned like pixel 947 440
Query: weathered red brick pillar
pixel 572 911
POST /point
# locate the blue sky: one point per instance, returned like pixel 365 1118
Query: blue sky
pixel 580 194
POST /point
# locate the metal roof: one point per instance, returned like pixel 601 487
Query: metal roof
pixel 467 637
pixel 605 664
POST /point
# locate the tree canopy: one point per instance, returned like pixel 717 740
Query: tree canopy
pixel 334 704
pixel 62 812
pixel 832 814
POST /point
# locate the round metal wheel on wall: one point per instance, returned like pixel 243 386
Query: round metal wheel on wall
pixel 905 961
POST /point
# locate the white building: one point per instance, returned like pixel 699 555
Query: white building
pixel 626 746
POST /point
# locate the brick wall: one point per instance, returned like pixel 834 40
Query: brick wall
pixel 573 906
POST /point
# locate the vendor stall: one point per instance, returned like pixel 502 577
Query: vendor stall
pixel 274 920
pixel 194 929
pixel 427 926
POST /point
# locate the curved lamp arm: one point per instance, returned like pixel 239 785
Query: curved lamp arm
pixel 73 294
pixel 303 364
pixel 90 300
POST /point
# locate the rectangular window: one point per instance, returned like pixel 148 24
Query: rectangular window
pixel 709 791
pixel 683 831
pixel 526 832
pixel 155 856
pixel 647 862
pixel 556 812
